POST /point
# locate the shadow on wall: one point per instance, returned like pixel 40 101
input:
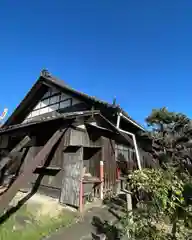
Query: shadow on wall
pixel 34 189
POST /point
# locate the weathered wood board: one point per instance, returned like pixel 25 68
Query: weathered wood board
pixel 84 138
pixel 18 147
pixel 72 170
pixel 108 157
pixel 27 174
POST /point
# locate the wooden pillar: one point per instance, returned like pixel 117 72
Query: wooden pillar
pixel 129 208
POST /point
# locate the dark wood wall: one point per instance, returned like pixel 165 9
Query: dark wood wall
pixel 91 143
pixel 84 137
pixel 54 178
pixel 92 157
pixel 47 177
pixel 4 141
pixel 78 148
pixel 125 157
pixel 108 157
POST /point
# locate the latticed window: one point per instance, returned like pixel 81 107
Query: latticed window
pixel 125 156
pixel 53 100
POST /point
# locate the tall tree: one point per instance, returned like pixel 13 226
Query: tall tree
pixel 171 137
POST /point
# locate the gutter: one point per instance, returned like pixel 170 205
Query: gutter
pixel 134 123
pixel 133 137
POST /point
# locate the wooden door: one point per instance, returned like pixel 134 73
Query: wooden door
pixel 72 172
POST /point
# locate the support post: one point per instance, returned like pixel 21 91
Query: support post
pixel 28 172
pixel 18 147
pixel 129 209
pixel 101 179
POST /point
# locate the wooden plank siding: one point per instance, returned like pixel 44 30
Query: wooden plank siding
pixel 4 141
pixel 92 158
pixel 27 174
pixel 82 137
pixel 127 161
pixel 16 149
pixel 30 155
pixel 108 157
pixel 51 175
pixel 126 157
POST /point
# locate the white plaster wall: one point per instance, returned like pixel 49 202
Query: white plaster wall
pixel 51 104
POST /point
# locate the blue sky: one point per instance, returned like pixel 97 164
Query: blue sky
pixel 139 51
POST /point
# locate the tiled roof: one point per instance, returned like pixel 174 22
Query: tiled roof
pixel 47 79
pixel 47 76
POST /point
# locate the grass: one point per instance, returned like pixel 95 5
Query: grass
pixel 24 225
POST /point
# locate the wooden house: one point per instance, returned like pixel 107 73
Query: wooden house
pixel 66 144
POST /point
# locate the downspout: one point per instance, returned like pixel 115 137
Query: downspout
pixel 134 140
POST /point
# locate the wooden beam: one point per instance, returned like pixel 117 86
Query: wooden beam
pixel 4 161
pixel 99 127
pixel 40 158
pixel 125 136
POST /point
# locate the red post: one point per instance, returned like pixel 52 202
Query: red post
pixel 101 179
pixel 118 173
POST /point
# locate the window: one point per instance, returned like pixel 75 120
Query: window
pixel 51 101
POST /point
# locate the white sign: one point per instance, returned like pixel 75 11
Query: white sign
pixel 4 114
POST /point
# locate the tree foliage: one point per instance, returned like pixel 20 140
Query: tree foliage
pixel 171 137
pixel 164 194
pixel 162 212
